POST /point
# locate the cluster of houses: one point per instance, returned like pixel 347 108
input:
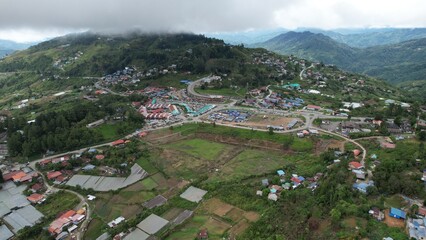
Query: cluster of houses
pixel 308 132
pixel 230 116
pixel 287 183
pixel 130 75
pixel 66 223
pixel 62 62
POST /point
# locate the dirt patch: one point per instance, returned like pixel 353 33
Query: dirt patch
pixel 324 144
pixel 130 211
pixel 135 187
pixel 393 222
pixel 238 229
pixel 235 214
pixel 172 213
pixel 251 216
pixel 250 143
pixel 217 207
pixel 261 121
pixel 216 226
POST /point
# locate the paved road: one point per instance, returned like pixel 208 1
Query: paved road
pixel 303 70
pixel 79 234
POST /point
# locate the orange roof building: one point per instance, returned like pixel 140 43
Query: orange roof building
pixel 68 214
pixel 17 177
pixel 35 198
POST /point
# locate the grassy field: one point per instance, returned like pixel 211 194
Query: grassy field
pixel 94 230
pixel 199 148
pixel 108 131
pixel 147 165
pixel 149 184
pixel 57 203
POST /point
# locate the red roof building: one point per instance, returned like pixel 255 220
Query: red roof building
pixel 52 175
pixel 355 165
pixel 143 134
pixel 9 176
pixel 118 142
pixel 100 157
pixel 356 152
pixel 203 234
pixel 313 107
pixel 422 211
pixel 61 178
pixel 45 162
pixel 35 198
pixel 36 187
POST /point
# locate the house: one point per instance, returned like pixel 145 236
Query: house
pixel 313 107
pixel 281 173
pixel 203 234
pixel 91 197
pixel 17 177
pixel 95 124
pixel 58 225
pixel 115 222
pixel 397 213
pixel 272 197
pixel 359 174
pixel 88 167
pixel 100 157
pixel 300 134
pixel 259 193
pixel 265 182
pixel 422 211
pixel 118 142
pixel 355 165
pixel 377 214
pixel 53 175
pixel 36 187
pixel 362 186
pixel 356 152
pixel 36 198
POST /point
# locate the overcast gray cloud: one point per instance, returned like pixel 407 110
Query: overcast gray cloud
pixel 43 18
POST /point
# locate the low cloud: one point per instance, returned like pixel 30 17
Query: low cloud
pixel 44 16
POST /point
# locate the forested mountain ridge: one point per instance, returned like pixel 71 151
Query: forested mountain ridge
pixel 395 63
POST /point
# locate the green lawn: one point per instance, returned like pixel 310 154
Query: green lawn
pixel 147 165
pixel 190 229
pixel 94 230
pixel 57 203
pixel 108 131
pixel 199 148
pixel 149 184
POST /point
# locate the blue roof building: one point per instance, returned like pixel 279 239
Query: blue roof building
pixel 88 167
pixel 397 213
pixel 280 173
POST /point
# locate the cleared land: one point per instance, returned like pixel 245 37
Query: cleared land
pixel 261 121
pixel 200 148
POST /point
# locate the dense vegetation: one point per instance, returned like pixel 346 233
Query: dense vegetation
pixel 395 63
pixel 66 130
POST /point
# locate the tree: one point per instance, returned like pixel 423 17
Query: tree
pixel 271 131
pixel 335 215
pixel 1 177
pixel 422 135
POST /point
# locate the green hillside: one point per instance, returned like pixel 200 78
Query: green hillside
pixel 65 63
pixel 394 63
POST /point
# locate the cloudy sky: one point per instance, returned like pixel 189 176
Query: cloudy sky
pixel 35 20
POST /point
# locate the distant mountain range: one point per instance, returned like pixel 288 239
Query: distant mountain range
pixel 398 62
pixel 359 38
pixel 8 47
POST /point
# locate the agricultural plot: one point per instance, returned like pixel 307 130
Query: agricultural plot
pixel 216 216
pixel 261 121
pixel 200 148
